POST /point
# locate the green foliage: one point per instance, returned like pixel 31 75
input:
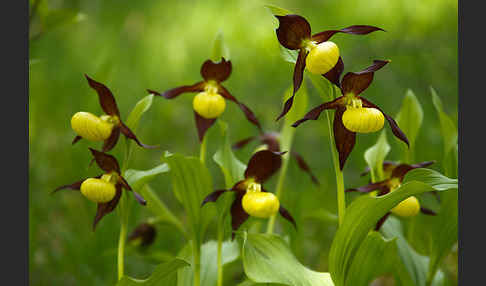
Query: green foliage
pixel 164 274
pixel 268 259
pixel 275 10
pixel 140 108
pixel 410 118
pixel 219 48
pixel 375 155
pixel 138 178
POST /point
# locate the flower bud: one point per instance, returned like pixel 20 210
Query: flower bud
pixel 209 104
pixel 260 204
pixel 322 57
pixel 98 190
pixel 407 208
pixel 363 119
pixel 91 127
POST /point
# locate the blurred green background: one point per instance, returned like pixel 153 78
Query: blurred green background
pixel 134 45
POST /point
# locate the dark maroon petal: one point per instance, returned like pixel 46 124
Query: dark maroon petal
pixel 271 140
pixel 335 73
pixel 130 135
pixel 262 165
pixel 111 141
pixel 250 116
pixel 73 186
pixel 393 124
pixel 343 138
pixel 286 215
pixel 212 197
pixel 315 112
pixel 76 139
pixel 105 161
pixel 304 166
pixel 172 93
pixel 146 232
pixel 400 170
pixel 139 198
pixel 107 101
pixel 357 82
pixel 219 71
pixel 427 211
pixel 202 125
pixel 355 30
pixel 386 165
pixel 297 77
pixel 125 184
pixel 381 221
pixel 292 31
pixel 106 208
pixel 242 143
pixel 370 187
pixel 238 214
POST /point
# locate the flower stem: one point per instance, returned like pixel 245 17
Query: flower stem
pixel 197 261
pixel 123 234
pixel 202 151
pixel 278 193
pixel 220 253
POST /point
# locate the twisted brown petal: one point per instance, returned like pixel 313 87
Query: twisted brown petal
pixel 250 116
pixel 357 82
pixel 111 141
pixel 386 164
pixel 219 71
pixel 402 169
pixel 74 186
pixel 106 208
pixel 292 31
pixel 427 211
pixel 105 161
pixel 343 138
pixel 315 112
pixel 355 30
pixel 238 214
pixel 202 125
pixel 107 101
pixel 335 73
pixel 262 165
pixel 172 93
pixel 139 198
pixel 304 166
pixel 286 215
pixel 370 187
pixel 130 135
pixel 76 139
pixel 146 232
pixel 242 143
pixel 212 197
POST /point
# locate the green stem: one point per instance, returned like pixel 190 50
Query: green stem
pixel 220 253
pixel 197 261
pixel 123 217
pixel 202 151
pixel 278 193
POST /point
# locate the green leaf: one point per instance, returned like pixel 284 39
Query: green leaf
pixel 219 48
pixel 375 155
pixel 191 182
pixel 209 270
pixel 277 11
pixel 289 56
pixel 410 118
pixel 138 178
pixel 365 211
pixel 140 108
pixel 164 274
pixel 268 259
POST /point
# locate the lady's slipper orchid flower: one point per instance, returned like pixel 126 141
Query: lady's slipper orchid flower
pixel 354 114
pixel 105 189
pixel 209 103
pixel 396 172
pixel 105 128
pixel 316 52
pixel 270 141
pixel 251 199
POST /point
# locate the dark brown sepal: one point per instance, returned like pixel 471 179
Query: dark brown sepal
pixel 202 125
pixel 343 138
pixel 130 135
pixel 238 214
pixel 76 139
pixel 242 143
pixel 250 116
pixel 106 208
pixel 357 82
pixel 125 184
pixel 212 197
pixel 315 112
pixel 262 165
pixel 112 140
pixel 304 166
pixel 105 161
pixel 297 78
pixel 292 31
pixel 219 71
pixel 381 221
pixel 172 93
pixel 146 232
pixel 370 187
pixel 335 73
pixel 107 100
pixel 286 215
pixel 402 169
pixel 355 30
pixel 427 211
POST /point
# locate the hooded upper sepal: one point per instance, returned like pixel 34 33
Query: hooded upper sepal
pixel 262 165
pixel 107 100
pixel 292 31
pixel 217 71
pixel 357 82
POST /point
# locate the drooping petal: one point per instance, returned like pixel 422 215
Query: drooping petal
pixel 238 214
pixel 107 101
pixel 370 187
pixel 242 143
pixel 393 124
pixel 219 71
pixel 250 116
pixel 381 221
pixel 335 73
pixel 125 184
pixel 343 138
pixel 315 112
pixel 212 197
pixel 109 143
pixel 357 82
pixel 76 139
pixel 427 211
pixel 106 208
pixel 355 30
pixel 304 166
pixel 74 186
pixel 105 161
pixel 172 93
pixel 400 170
pixel 297 78
pixel 262 165
pixel 202 125
pixel 286 215
pixel 292 31
pixel 130 135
